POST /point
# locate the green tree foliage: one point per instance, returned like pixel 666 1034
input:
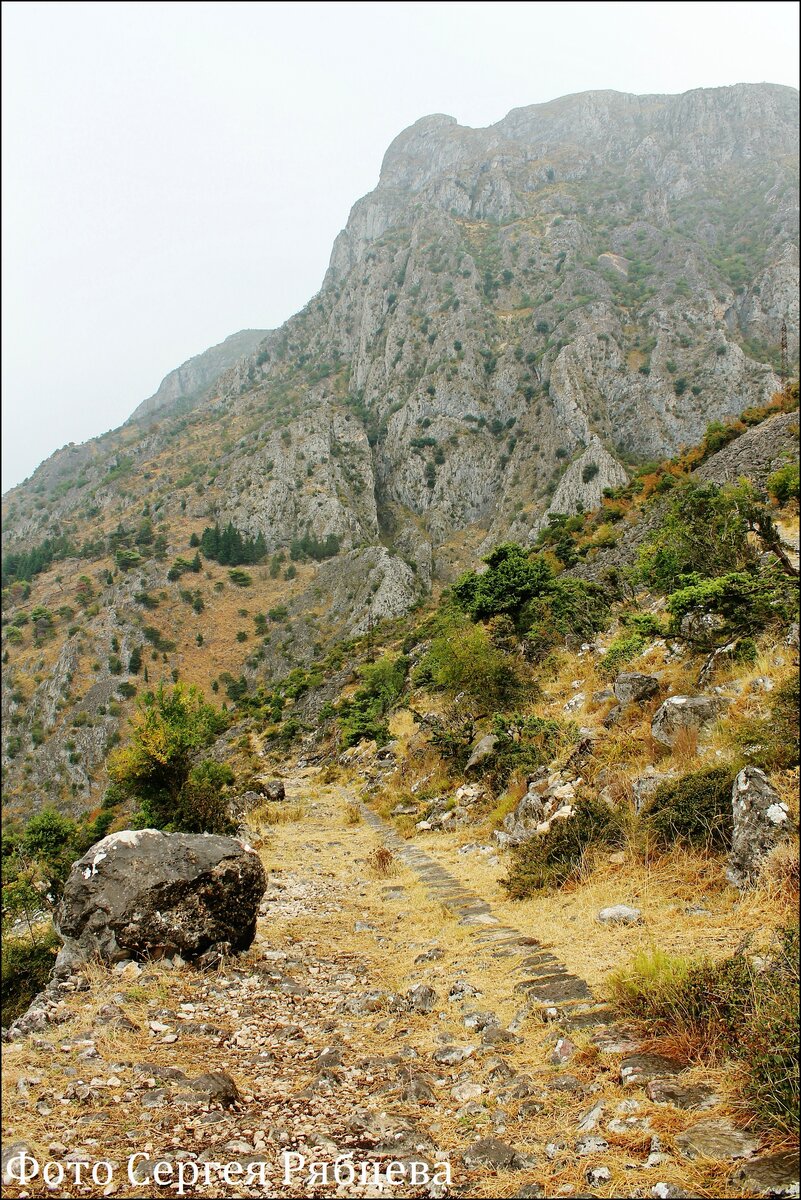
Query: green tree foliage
pixel 466 660
pixel 783 484
pixel 745 601
pixel 512 578
pixel 25 564
pixel 173 726
pixel 705 533
pixel 364 716
pixel 522 586
pixel 309 546
pixel 230 547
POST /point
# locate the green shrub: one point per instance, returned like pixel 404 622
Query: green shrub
pixel 512 578
pixel 694 810
pixel 203 801
pixel 239 577
pixel 704 532
pixel 26 968
pixel 621 651
pixel 467 661
pixel 550 859
pixel 772 742
pixel 524 743
pixel 172 726
pixel 729 1010
pixel 364 715
pixel 783 484
pixel 746 601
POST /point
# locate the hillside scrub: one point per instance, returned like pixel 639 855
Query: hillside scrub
pixel 155 769
pixel 693 810
pixel 728 1009
pixel 550 859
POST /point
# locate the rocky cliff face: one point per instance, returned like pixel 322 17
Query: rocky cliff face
pixel 187 385
pixel 509 320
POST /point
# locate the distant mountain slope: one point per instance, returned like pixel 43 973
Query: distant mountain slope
pixel 510 321
pixel 187 384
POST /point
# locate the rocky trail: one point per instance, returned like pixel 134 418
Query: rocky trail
pixel 384 1015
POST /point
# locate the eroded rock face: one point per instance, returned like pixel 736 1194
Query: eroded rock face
pixel 761 822
pixel 682 712
pixel 142 893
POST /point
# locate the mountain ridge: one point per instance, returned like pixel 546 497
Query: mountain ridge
pixel 497 346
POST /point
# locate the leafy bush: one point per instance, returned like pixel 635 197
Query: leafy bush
pixel 772 742
pixel 694 810
pixel 728 1009
pixel 364 715
pixel 172 726
pixel 705 533
pixel 550 859
pixel 783 484
pixel 467 661
pixel 746 601
pixel 621 651
pixel 26 967
pixel 525 743
pixel 240 578
pixel 203 799
pixel 512 578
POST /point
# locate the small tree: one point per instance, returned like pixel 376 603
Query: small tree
pixel 172 727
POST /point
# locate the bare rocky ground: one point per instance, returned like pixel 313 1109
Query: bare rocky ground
pixel 383 1014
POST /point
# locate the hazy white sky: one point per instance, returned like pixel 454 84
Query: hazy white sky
pixel 174 172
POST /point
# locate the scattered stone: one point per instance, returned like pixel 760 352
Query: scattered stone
pixel 565 1083
pixel 467 1091
pixel 11 1160
pixel 671 1091
pixel 450 1055
pixel 761 822
pixel 640 1069
pixel 596 1176
pixel 275 790
pixel 433 955
pixel 717 1140
pixel 590 1118
pixel 562 1052
pixel 479 1020
pixel 421 998
pixel 591 1145
pixel 531 1191
pixel 143 893
pixel 770 1175
pixel 682 712
pixel 483 750
pixel 491 1152
pixel 416 1089
pixel 619 914
pixel 631 687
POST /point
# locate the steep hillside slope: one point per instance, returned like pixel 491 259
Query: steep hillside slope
pixel 511 320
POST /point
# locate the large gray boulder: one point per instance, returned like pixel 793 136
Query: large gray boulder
pixel 760 822
pixel 145 894
pixel 632 687
pixel 682 712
